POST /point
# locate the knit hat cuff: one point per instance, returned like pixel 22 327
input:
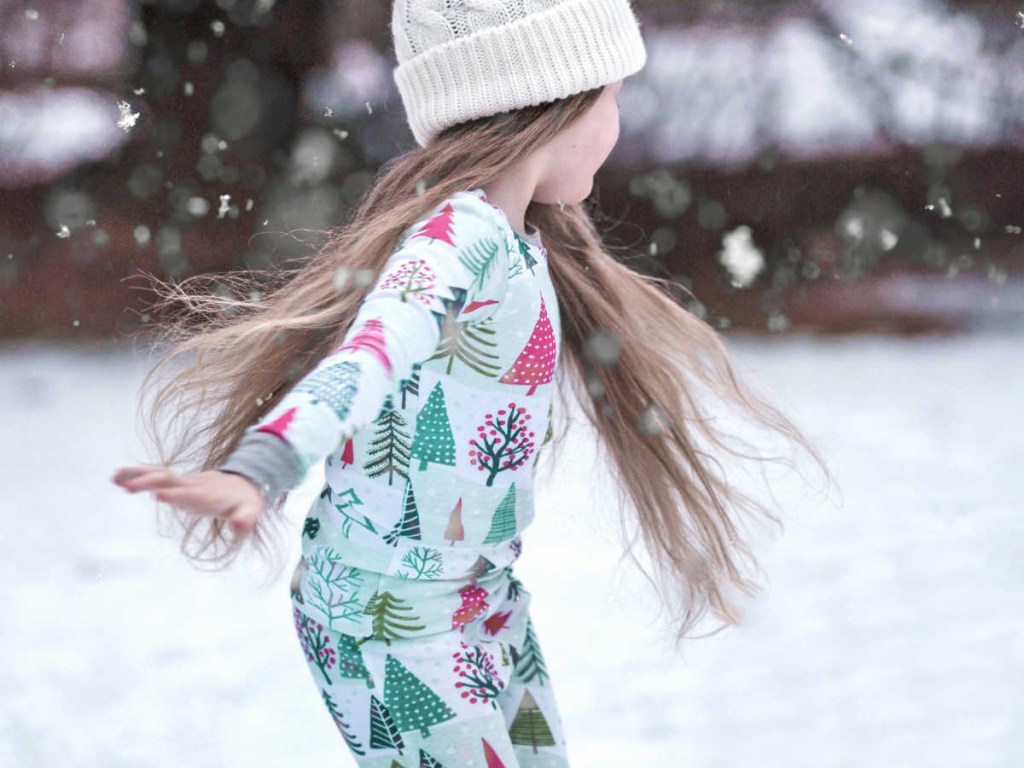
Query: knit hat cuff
pixel 572 47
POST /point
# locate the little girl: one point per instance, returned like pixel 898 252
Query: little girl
pixel 416 356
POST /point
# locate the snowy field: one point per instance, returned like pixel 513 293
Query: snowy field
pixel 889 632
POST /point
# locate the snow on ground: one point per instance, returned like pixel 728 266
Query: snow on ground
pixel 888 633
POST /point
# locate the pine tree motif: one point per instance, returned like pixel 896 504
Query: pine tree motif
pixel 342 726
pixel 348 499
pixel 384 734
pixel 434 441
pixel 351 665
pixel 316 643
pixel 348 454
pixel 413 277
pixel 503 443
pixel 495 623
pixel 412 703
pixel 529 728
pixel 524 249
pixel 474 602
pixel 428 761
pixel 279 426
pixel 388 612
pixel 480 259
pixel 388 451
pixel 423 563
pixel 478 676
pixel 463 341
pixel 515 586
pixel 370 338
pixel 455 532
pixel 336 386
pixel 529 660
pixel 504 655
pixel 536 363
pixel 439 226
pixel 410 386
pixel 409 526
pixel 396 764
pixel 503 524
pixel 493 761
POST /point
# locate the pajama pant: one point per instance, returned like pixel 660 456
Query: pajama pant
pixel 433 687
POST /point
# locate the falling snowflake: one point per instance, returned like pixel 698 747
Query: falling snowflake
pixel 64 231
pixel 741 257
pixel 138 91
pixel 224 206
pixel 1020 19
pixel 340 133
pixel 127 118
pixel 329 112
pixel 845 38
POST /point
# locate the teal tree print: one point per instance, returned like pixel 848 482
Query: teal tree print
pixel 422 562
pixel 384 734
pixel 434 441
pixel 348 499
pixel 389 617
pixel 529 662
pixel 388 452
pixel 409 526
pixel 350 740
pixel 503 443
pixel 351 664
pixel 413 704
pixel 334 591
pixel 503 524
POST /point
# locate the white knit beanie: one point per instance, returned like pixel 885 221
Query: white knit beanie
pixel 463 59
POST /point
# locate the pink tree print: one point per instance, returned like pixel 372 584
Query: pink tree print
pixel 536 363
pixel 371 339
pixel 412 278
pixel 480 677
pixel 502 443
pixel 439 227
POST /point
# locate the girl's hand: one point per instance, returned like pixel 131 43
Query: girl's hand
pixel 216 493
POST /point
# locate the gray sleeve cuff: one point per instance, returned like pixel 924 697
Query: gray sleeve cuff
pixel 267 461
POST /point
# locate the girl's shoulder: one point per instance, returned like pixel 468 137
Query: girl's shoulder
pixel 465 215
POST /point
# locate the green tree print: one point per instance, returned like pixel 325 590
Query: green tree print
pixel 428 761
pixel 384 734
pixel 412 703
pixel 409 526
pixel 388 619
pixel 529 662
pixel 529 728
pixel 351 665
pixel 503 524
pixel 349 499
pixel 480 258
pixel 434 441
pixel 423 563
pixel 410 386
pixel 342 726
pixel 463 341
pixel 524 249
pixel 388 451
pixel 334 591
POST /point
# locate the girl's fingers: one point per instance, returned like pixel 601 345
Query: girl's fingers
pixel 156 478
pixel 190 499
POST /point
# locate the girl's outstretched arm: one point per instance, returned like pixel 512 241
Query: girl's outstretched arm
pixel 453 261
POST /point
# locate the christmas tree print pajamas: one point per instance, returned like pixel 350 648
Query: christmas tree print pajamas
pixel 429 417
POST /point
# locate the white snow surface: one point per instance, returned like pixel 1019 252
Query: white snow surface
pixel 888 634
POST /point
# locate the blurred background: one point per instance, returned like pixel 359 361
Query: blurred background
pixel 837 182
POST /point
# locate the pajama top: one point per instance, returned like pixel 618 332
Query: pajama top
pixel 430 414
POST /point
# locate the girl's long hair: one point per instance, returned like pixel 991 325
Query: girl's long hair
pixel 633 358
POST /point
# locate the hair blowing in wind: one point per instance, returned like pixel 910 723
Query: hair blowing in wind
pixel 634 359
